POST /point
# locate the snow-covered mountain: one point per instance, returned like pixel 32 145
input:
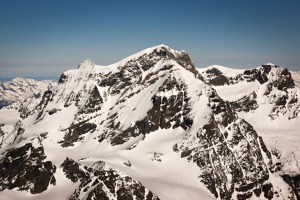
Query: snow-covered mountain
pixel 20 89
pixel 147 127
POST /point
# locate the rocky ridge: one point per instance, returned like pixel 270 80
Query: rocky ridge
pixel 268 84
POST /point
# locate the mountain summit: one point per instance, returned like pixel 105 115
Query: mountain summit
pixel 147 127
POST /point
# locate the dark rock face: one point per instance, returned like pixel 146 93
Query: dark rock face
pixel 39 109
pixel 285 80
pixel 246 103
pixel 75 132
pixel 103 182
pixel 220 80
pixel 120 80
pixel 167 112
pixel 2 134
pixel 258 74
pixel 185 61
pixel 62 78
pixel 71 98
pixel 294 183
pixel 216 78
pixel 47 97
pixel 93 103
pixel 25 168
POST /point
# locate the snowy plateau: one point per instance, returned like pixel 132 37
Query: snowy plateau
pixel 153 126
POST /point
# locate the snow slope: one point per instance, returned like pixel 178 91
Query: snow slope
pixel 296 77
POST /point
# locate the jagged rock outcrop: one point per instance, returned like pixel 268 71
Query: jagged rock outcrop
pixel 103 182
pixel 26 168
pixel 294 182
pixel 274 86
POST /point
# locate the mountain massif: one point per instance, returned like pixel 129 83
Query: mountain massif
pixel 153 126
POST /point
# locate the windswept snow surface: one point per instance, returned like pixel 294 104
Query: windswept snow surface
pixel 236 91
pixel 9 117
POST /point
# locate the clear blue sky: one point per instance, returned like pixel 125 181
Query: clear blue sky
pixel 46 37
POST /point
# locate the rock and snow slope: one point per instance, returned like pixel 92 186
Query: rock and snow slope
pixel 268 97
pixel 20 89
pixel 147 127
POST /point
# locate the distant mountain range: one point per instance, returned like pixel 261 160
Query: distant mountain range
pixel 6 79
pixel 153 126
pixel 20 89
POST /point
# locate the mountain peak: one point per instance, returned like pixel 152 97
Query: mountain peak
pixel 160 46
pixel 148 57
pixel 159 50
pixel 270 64
pixel 86 63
